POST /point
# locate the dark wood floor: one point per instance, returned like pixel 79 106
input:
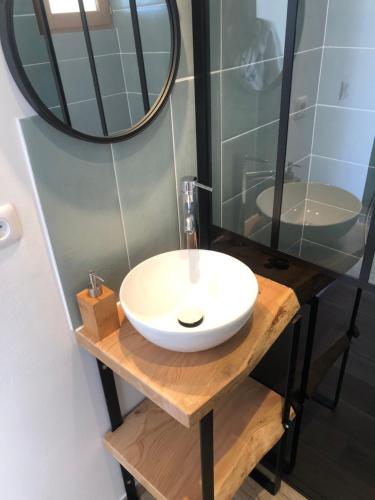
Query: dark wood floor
pixel 337 449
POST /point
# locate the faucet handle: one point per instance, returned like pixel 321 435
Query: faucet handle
pixel 189 183
pixel 203 186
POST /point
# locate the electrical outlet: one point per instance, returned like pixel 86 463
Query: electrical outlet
pixel 10 226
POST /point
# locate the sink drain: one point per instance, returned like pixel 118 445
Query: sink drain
pixel 190 318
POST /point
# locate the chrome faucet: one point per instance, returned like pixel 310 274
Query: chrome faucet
pixel 189 191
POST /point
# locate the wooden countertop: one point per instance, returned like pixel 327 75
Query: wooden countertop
pixel 187 385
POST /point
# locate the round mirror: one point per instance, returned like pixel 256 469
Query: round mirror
pixel 99 70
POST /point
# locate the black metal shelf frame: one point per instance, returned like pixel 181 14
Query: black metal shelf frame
pixel 206 427
pixel 280 464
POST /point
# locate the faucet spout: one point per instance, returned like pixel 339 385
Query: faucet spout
pixel 189 190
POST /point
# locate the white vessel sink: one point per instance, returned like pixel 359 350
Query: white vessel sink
pixel 329 212
pixel 189 285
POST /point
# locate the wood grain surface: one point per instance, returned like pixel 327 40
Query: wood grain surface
pixel 187 385
pixel 164 456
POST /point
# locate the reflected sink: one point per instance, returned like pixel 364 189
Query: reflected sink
pixel 329 212
pixel 211 290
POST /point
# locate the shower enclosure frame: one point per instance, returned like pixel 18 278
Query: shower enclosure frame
pixel 202 80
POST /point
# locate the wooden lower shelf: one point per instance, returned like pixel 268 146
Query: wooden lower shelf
pixel 164 456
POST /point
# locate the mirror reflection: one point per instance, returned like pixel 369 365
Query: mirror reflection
pixel 102 81
pixel 329 180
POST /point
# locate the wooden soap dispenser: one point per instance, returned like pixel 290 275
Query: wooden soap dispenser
pixel 98 308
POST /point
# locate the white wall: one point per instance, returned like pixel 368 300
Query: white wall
pixel 52 414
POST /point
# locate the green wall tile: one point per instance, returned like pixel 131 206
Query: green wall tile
pixel 310 28
pixel 147 186
pixel 77 190
pixel 351 23
pixel 183 105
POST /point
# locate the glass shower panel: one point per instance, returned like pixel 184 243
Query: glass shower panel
pixel 247 48
pixel 330 170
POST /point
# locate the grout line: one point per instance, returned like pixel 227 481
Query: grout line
pixel 343 161
pixel 221 113
pixel 120 205
pixel 332 249
pixel 85 58
pixel 247 190
pixel 291 163
pixel 266 125
pixel 348 47
pixel 144 52
pixel 302 110
pixel 308 50
pixel 92 99
pixel 346 108
pixel 330 205
pixel 292 208
pixel 175 174
pixel 291 246
pixel 140 93
pixel 184 79
pixel 270 223
pixel 249 131
pixel 124 77
pixel 314 125
pixel 250 64
pixel 89 100
pixel 44 227
pixel 30 65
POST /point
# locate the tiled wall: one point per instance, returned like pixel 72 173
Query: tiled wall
pixel 109 207
pixel 343 141
pixel 246 120
pixel 115 59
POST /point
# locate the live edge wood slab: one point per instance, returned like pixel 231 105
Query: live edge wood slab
pixel 189 385
pixel 164 456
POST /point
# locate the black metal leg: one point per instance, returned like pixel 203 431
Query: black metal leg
pixel 341 378
pixel 290 464
pixel 114 411
pixel 301 397
pixel 352 332
pixel 289 396
pixel 207 455
pixel 314 306
pixel 274 486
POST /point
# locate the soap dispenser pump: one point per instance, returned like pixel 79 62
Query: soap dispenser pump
pixel 98 307
pixel 96 285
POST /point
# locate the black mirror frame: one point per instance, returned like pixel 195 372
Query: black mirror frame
pixel 8 41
